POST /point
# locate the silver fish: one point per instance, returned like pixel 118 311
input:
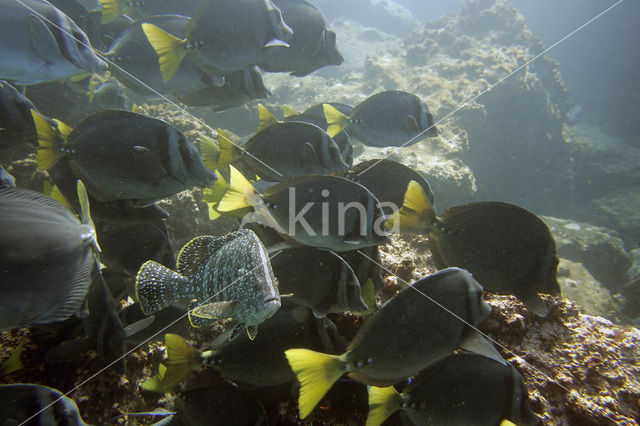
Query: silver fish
pixel 39 43
pixel 46 259
pixel 48 406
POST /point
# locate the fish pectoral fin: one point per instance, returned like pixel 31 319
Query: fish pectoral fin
pixel 148 164
pixel 382 403
pixel 276 43
pixel 266 118
pixel 42 41
pixel 412 124
pixel 214 310
pixel 478 344
pixel 252 331
pixel 309 157
pixel 170 49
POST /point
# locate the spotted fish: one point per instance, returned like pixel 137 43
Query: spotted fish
pixel 228 276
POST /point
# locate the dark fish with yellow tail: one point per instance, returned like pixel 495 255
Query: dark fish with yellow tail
pixel 508 249
pixel 287 150
pixel 16 123
pixel 223 36
pixel 228 276
pixel 39 43
pixel 46 258
pixel 388 181
pixel 252 363
pixel 135 64
pixel 413 327
pixel 463 389
pixel 318 279
pixel 328 212
pixel 391 118
pixel 27 403
pixel 312 45
pixel 239 88
pixel 341 139
pixel 124 155
pixel 117 211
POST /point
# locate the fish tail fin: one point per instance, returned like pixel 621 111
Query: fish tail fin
pixel 213 195
pixel 135 107
pixel 13 363
pixel 416 212
pixel 111 9
pixel 228 151
pixel 382 403
pixel 336 121
pixel 287 111
pixel 236 197
pixel 266 118
pixel 154 383
pixel 182 359
pixel 368 293
pixel 170 49
pixel 209 151
pixel 158 286
pixel 48 142
pixel 506 422
pixel 316 372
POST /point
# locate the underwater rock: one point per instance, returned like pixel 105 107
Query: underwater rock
pixel 619 210
pixel 600 250
pixel 579 286
pixel 579 369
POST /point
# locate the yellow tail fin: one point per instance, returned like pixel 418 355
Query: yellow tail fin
pixel 228 151
pixel 54 192
pixel 336 121
pixel 236 197
pixel 506 422
pixel 111 9
pixel 209 151
pixel 266 118
pixel 316 372
pixel 213 195
pixel 182 359
pixel 170 49
pixel 287 111
pixel 154 383
pixel 382 403
pixel 13 363
pixel 135 108
pixel 48 142
pixel 416 212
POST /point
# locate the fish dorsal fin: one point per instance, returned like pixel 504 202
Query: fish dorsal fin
pixel 85 217
pixel 195 17
pixel 411 124
pixel 148 164
pixel 382 403
pixel 416 212
pixel 209 151
pixel 195 253
pixel 287 111
pixel 42 41
pixel 336 121
pixel 170 49
pixel 476 343
pixel 266 118
pixel 236 197
pixel 228 150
